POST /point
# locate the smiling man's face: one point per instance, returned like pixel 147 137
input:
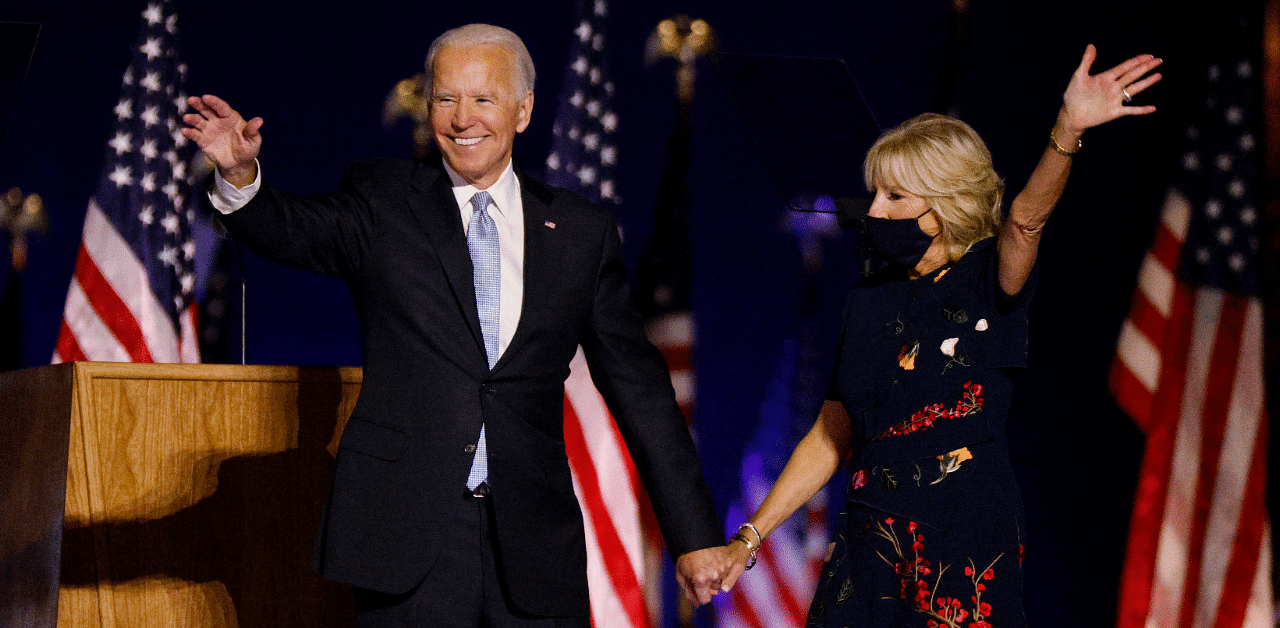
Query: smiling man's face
pixel 475 110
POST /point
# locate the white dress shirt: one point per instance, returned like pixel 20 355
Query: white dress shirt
pixel 509 218
pixel 506 209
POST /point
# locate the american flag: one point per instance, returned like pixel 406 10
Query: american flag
pixel 620 553
pixel 777 591
pixel 583 153
pixel 131 297
pixel 1188 369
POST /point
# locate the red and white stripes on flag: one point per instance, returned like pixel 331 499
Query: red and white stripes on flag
pixel 608 490
pixel 624 549
pixel 1188 369
pixel 777 592
pixel 673 334
pixel 132 296
pixel 111 314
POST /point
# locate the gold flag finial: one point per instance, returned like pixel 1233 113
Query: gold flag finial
pixel 409 99
pixel 685 40
pixel 19 215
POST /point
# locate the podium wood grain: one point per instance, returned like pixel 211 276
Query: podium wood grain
pixel 193 492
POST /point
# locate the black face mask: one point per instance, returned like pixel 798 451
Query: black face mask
pixel 899 241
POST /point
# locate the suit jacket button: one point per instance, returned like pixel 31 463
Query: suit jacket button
pixel 471 449
pixel 489 390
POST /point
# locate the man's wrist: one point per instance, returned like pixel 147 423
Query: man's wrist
pixel 227 196
pixel 240 176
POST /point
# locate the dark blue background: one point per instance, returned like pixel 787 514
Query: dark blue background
pixel 318 74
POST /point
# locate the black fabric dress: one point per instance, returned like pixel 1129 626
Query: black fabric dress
pixel 932 531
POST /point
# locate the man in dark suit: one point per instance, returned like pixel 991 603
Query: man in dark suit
pixel 452 502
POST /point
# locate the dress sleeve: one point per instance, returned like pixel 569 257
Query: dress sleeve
pixel 1006 336
pixel 1005 303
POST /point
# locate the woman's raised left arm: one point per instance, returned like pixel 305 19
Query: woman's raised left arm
pixel 1090 100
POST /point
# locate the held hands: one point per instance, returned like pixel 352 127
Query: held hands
pixel 1091 100
pixel 225 137
pixel 706 572
pixel 701 572
pixel 740 555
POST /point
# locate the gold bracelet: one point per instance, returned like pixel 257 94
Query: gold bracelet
pixel 738 536
pixel 749 526
pixel 1057 148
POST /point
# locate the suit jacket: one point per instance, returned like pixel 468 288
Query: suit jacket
pixel 393 232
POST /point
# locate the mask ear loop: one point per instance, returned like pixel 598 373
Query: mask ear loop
pixel 917 219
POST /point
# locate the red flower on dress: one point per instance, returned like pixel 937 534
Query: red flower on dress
pixel 970 403
pixel 859 479
pixel 942 611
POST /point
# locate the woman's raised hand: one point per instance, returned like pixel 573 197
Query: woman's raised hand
pixel 1091 100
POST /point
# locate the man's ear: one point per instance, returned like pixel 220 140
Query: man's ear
pixel 525 112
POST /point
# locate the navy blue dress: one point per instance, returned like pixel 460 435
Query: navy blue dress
pixel 932 531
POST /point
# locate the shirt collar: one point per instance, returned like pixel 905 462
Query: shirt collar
pixel 504 192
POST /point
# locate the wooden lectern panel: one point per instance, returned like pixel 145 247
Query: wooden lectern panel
pixel 34 410
pixel 193 495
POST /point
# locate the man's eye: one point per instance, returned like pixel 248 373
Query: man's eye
pixel 894 196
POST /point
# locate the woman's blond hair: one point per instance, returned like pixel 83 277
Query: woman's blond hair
pixel 943 161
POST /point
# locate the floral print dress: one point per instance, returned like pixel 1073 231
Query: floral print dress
pixel 932 530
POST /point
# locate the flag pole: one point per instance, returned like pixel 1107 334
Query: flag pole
pixel 664 276
pixel 20 214
pixel 1270 235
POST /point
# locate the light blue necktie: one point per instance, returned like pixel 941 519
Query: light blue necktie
pixel 482 242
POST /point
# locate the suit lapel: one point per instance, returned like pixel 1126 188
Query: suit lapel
pixel 538 272
pixel 436 207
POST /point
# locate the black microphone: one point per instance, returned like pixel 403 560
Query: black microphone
pixel 244 290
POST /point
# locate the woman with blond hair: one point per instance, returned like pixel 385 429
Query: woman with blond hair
pixel 932 532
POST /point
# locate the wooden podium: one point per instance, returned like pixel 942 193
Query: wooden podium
pixel 168 495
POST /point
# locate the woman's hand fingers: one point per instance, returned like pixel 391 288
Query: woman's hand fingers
pixel 731 578
pixel 1086 62
pixel 1137 87
pixel 1139 70
pixel 739 555
pixel 1118 72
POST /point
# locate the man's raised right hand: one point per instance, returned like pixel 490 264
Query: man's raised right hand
pixel 225 137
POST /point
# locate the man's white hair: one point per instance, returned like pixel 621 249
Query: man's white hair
pixel 478 34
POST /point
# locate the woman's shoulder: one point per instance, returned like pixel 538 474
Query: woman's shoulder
pixel 980 253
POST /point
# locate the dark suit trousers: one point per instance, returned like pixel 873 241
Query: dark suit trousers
pixel 463 589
